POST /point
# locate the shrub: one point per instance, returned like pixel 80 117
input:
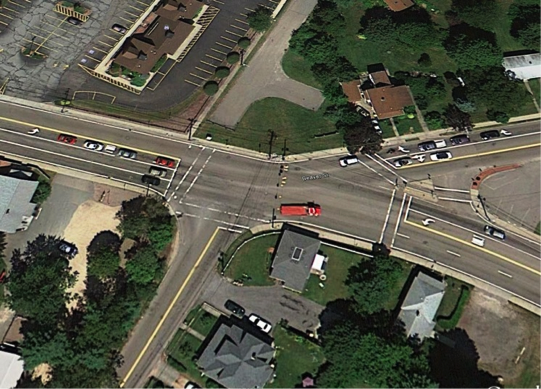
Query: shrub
pixel 497 116
pixel 233 57
pixel 159 64
pixel 222 72
pixel 260 20
pixel 68 4
pixel 244 42
pixel 424 60
pixel 79 9
pixel 139 80
pixel 43 191
pixel 210 88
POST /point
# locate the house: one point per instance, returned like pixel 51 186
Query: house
pixel 11 369
pixel 386 99
pixel 352 90
pixel 16 207
pixel 237 358
pixel 162 33
pixel 523 67
pixel 295 257
pixel 420 306
pixel 398 5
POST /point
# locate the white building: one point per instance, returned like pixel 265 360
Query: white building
pixel 523 67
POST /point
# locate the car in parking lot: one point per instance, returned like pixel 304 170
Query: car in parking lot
pixel 495 232
pixel 119 28
pixel 441 155
pixel 459 139
pixel 67 139
pixel 162 161
pixel 486 135
pixel 235 308
pixel 74 21
pixel 68 248
pixel 260 323
pixel 349 160
pixel 432 144
pixel 91 145
pixel 505 132
pixel 150 180
pixel 125 153
pixel 402 162
pixel 156 171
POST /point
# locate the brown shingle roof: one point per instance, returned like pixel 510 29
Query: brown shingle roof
pixel 399 5
pixel 176 9
pixel 389 101
pixel 352 91
pixel 380 78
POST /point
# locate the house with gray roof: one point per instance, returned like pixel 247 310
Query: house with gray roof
pixel 420 306
pixel 16 208
pixel 523 67
pixel 237 358
pixel 293 258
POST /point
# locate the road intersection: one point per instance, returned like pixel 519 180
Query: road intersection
pixel 217 194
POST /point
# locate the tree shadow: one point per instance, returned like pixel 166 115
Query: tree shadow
pixel 470 32
pixel 104 240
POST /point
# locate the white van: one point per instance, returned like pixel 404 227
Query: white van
pixel 349 160
pixel 110 149
pixel 478 241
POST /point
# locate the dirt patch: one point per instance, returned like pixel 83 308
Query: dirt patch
pixel 499 332
pixel 110 195
pixel 43 372
pixel 90 218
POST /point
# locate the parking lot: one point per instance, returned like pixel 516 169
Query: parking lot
pixel 12 9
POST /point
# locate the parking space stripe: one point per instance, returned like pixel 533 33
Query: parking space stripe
pixel 4 23
pixel 226 46
pixel 11 10
pixel 92 58
pixel 242 21
pixel 127 20
pixel 203 70
pixel 244 15
pixel 228 39
pixel 248 9
pixel 140 2
pixel 217 59
pixel 129 13
pixel 218 51
pixel 196 76
pixel 104 52
pixel 208 64
pixel 218 1
pixel 106 44
pixel 134 7
pixel 238 28
pixel 234 33
pixel 265 6
pixel 17 4
pixel 7 16
pixel 42 45
pixel 193 83
pixel 111 37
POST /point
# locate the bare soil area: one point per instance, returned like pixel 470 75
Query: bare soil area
pixel 507 338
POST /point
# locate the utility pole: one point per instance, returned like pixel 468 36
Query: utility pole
pixel 272 136
pixel 284 150
pixel 273 217
pixel 65 100
pixel 481 199
pixel 192 121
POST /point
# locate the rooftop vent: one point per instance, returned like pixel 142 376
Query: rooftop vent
pixel 169 34
pixel 297 253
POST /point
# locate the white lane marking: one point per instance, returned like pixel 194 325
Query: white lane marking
pixel 186 174
pixel 399 218
pixel 453 253
pixel 172 178
pixel 451 189
pixel 387 216
pixel 408 209
pixel 387 168
pixel 455 200
pixel 505 274
pixel 402 235
pixel 216 221
pixel 196 177
pixel 379 174
pixel 226 213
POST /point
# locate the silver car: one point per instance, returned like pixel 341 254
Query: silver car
pixel 91 145
pixel 125 153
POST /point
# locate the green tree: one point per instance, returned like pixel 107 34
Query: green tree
pixel 434 120
pixel 484 14
pixel 327 19
pixel 261 19
pixel 380 30
pixel 456 119
pixel 133 221
pixel 143 266
pixel 473 52
pixel 371 282
pixel 43 191
pixel 103 264
pixel 497 116
pixel 161 233
pixel 361 137
pixel 465 105
pixel 525 24
pixel 49 346
pixel 424 60
pixel 38 280
pixel 435 89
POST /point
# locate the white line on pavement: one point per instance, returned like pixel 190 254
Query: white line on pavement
pixel 186 174
pixel 399 218
pixel 379 174
pixel 453 199
pixel 402 235
pixel 387 216
pixel 505 274
pixel 226 213
pixel 197 176
pixel 383 165
pixel 453 253
pixel 216 221
pixel 451 189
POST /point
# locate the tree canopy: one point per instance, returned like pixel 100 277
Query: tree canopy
pixel 143 266
pixel 484 14
pixel 260 20
pixel 525 26
pixel 471 52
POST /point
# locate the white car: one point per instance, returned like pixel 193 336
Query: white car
pixel 420 157
pixel 91 145
pixel 505 132
pixel 349 160
pixel 440 144
pixel 400 162
pixel 441 155
pixel 260 323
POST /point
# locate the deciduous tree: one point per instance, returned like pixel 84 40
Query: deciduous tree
pixel 142 267
pixel 260 20
pixel 471 52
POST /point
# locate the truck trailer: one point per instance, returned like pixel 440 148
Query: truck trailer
pixel 309 209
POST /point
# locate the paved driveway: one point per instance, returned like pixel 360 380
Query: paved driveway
pixel 270 302
pixel 264 76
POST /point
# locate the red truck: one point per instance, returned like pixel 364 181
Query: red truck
pixel 309 209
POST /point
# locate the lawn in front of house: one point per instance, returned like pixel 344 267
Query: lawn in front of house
pixel 405 125
pixel 386 129
pixel 457 294
pixel 180 353
pixel 536 88
pixel 254 259
pixel 297 68
pixel 200 320
pixel 295 356
pixel 301 129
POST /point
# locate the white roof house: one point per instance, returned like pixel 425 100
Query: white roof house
pixel 11 369
pixel 523 67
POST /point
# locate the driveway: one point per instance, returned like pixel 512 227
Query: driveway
pixel 270 302
pixel 264 76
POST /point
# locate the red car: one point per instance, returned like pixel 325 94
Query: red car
pixel 165 162
pixel 66 139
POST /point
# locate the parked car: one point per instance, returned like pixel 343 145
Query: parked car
pixel 432 144
pixel 150 180
pixel 91 145
pixel 125 153
pixel 459 139
pixel 67 139
pixel 191 385
pixel 495 232
pixel 419 157
pixel 486 135
pixel 156 171
pixel 505 132
pixel 402 162
pixel 162 161
pixel 260 323
pixel 68 248
pixel 375 124
pixel 235 308
pixel 441 155
pixel 110 149
pixel 349 160
pixel 119 28
pixel 74 21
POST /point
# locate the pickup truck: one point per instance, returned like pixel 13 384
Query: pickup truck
pixel 309 209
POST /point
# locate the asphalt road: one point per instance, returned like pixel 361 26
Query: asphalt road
pixel 212 189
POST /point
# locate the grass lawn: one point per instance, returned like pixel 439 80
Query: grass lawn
pixel 200 320
pixel 457 294
pixel 297 68
pixel 386 128
pixel 536 88
pixel 399 286
pixel 254 259
pixel 180 352
pixel 337 271
pixel 303 130
pixel 295 356
pixel 405 126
